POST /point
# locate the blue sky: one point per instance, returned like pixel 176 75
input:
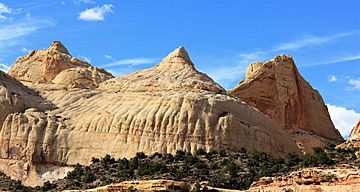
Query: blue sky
pixel 222 38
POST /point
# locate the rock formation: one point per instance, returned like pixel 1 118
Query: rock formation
pixel 354 138
pixel 277 89
pixel 148 185
pixel 166 108
pixel 355 132
pixel 312 179
pixel 15 97
pixel 56 65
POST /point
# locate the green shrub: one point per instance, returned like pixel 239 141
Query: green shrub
pixel 140 155
pixel 180 155
pixel 89 177
pixel 48 186
pixel 200 151
pixel 95 160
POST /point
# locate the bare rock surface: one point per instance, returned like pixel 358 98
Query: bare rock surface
pixel 355 133
pixel 354 138
pixel 166 108
pixel 15 97
pixel 277 89
pixel 344 179
pixel 56 65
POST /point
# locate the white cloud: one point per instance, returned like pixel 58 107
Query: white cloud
pixel 96 13
pixel 133 62
pixel 4 10
pixel 343 119
pixel 332 78
pixel 354 83
pixel 4 67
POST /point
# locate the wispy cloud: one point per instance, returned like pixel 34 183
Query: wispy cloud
pixel 355 84
pixel 20 25
pixel 308 41
pixel 96 13
pixel 84 1
pixel 338 59
pixel 4 67
pixel 10 33
pixel 133 62
pixel 344 119
pixel 16 30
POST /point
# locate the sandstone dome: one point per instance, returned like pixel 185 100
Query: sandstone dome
pixel 43 66
pixel 277 89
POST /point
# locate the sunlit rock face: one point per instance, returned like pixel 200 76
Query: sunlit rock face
pixel 277 89
pixel 56 65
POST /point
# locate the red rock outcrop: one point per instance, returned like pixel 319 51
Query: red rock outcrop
pixel 277 89
pixel 56 65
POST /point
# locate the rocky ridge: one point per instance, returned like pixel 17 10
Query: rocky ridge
pixel 277 89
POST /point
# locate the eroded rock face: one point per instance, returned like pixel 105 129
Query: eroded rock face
pixel 163 109
pixel 56 65
pixel 277 89
pixel 15 97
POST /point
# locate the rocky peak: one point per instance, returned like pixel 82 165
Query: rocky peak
pixel 174 72
pixel 178 57
pixel 58 47
pixel 355 133
pixel 277 89
pixel 280 64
